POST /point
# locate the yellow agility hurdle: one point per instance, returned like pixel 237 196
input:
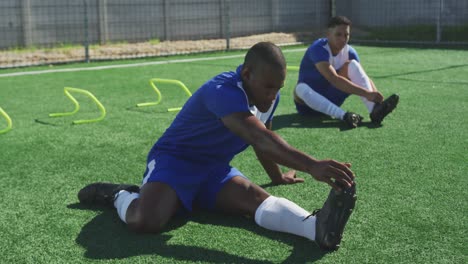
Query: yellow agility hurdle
pixel 158 93
pixel 292 68
pixel 67 91
pixel 8 119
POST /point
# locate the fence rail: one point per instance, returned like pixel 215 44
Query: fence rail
pixel 53 31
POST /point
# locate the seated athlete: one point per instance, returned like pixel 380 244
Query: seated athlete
pixel 330 71
pixel 189 165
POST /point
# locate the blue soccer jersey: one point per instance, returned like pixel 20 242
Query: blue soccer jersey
pixel 198 134
pixel 320 51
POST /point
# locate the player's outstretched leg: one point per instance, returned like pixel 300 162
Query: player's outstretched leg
pixel 102 193
pixel 332 218
pixel 352 119
pixel 380 111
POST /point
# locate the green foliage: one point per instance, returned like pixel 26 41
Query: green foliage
pixel 411 172
pixel 154 41
pixel 60 47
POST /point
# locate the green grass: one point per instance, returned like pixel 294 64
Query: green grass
pixel 412 205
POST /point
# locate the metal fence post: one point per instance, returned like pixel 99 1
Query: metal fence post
pixel 26 22
pixel 332 8
pixel 222 19
pixel 228 24
pixel 439 22
pixel 103 22
pixel 86 42
pixel 275 14
pixel 167 29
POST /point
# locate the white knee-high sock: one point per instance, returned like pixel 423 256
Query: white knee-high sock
pixel 122 202
pixel 358 76
pixel 279 214
pixel 318 102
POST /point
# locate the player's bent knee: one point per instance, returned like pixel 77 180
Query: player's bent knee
pixel 156 206
pixel 353 66
pixel 349 68
pixel 142 224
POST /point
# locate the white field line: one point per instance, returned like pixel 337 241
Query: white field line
pixel 96 68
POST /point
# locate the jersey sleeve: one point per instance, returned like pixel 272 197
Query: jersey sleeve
pixel 224 100
pixel 318 54
pixel 353 54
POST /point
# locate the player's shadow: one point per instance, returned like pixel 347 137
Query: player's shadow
pixel 50 122
pixel 399 75
pixel 106 237
pixel 56 122
pixel 294 120
pixel 66 120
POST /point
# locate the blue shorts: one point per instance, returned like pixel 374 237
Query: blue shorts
pixel 193 182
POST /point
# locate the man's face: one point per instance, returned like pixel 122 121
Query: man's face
pixel 262 85
pixel 338 37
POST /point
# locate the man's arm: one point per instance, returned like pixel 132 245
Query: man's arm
pixel 270 145
pixel 345 85
pixel 273 170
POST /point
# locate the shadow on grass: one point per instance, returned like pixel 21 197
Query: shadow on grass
pixel 106 237
pixel 322 121
pixel 432 81
pixel 46 122
pixel 66 120
pixel 421 71
pixel 51 121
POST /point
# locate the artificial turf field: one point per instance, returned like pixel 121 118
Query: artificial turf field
pixel 411 172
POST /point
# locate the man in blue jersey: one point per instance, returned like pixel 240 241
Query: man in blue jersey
pixel 330 71
pixel 189 165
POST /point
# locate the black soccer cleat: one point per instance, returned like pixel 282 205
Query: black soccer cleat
pixel 352 119
pixel 332 218
pixel 102 193
pixel 381 110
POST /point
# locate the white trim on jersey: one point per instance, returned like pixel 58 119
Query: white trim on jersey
pixel 151 165
pixel 340 58
pixel 253 109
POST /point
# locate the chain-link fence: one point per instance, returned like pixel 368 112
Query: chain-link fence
pixel 34 32
pixel 402 21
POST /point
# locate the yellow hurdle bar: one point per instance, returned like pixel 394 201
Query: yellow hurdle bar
pixel 67 91
pixel 8 119
pixel 292 68
pixel 158 93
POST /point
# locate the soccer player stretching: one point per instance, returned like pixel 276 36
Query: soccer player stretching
pixel 330 71
pixel 189 164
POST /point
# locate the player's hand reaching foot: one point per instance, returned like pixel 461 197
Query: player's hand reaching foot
pixel 375 97
pixel 334 173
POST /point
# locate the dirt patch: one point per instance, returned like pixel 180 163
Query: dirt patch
pixel 139 50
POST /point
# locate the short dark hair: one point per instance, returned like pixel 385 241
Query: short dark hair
pixel 338 20
pixel 265 53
